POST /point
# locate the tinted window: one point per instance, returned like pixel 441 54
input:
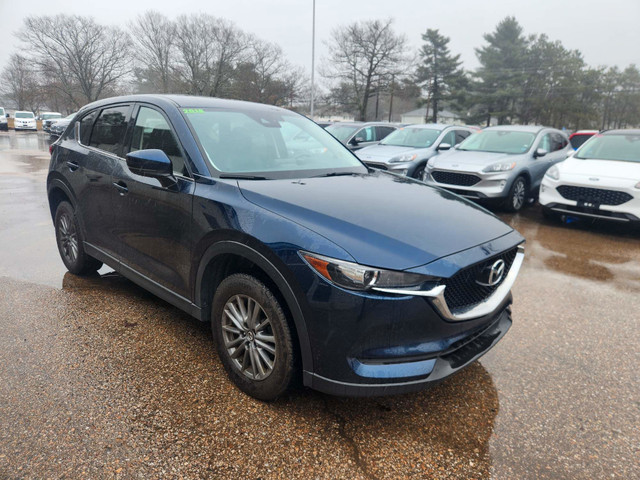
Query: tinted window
pixel 382 132
pixel 108 131
pixel 153 131
pixel 85 127
pixel 578 140
pixel 558 142
pixel 461 135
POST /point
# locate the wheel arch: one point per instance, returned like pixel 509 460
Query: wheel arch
pixel 247 255
pixel 58 191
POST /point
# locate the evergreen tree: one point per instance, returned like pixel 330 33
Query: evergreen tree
pixel 502 71
pixel 439 74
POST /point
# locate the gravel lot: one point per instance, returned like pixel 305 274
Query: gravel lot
pixel 99 379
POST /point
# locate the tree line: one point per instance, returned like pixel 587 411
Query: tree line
pixel 69 60
pixel 521 79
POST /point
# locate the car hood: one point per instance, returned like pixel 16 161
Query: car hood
pixel 384 153
pixel 601 168
pixel 380 219
pixel 470 161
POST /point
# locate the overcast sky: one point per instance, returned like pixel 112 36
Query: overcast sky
pixel 606 32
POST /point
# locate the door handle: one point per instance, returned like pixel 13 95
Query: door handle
pixel 73 166
pixel 122 188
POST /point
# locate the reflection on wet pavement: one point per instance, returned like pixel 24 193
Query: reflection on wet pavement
pixel 100 379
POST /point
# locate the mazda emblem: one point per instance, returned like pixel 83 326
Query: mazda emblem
pixel 490 276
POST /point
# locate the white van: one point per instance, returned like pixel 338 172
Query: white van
pixel 23 120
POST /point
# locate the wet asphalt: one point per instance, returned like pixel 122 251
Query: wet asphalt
pixel 99 379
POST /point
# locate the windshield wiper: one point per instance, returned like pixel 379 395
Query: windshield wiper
pixel 335 174
pixel 239 176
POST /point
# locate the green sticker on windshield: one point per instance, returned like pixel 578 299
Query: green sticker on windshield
pixel 193 110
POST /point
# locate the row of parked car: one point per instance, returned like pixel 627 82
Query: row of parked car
pixel 25 120
pixel 510 166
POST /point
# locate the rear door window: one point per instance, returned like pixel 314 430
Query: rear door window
pixel 382 132
pixel 461 135
pixel 152 131
pixel 110 128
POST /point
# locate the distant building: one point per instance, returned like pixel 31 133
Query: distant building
pixel 444 116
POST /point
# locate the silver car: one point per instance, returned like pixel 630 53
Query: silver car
pixel 500 164
pixel 357 135
pixel 407 150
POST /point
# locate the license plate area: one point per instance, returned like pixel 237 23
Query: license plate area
pixel 588 204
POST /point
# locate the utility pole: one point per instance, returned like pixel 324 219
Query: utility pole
pixel 313 54
pixel 393 77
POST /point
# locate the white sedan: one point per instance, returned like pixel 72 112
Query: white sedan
pixel 602 180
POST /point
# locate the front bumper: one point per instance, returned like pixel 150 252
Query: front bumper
pixel 626 212
pixel 25 126
pixel 405 168
pixel 439 366
pixel 489 185
pixel 378 343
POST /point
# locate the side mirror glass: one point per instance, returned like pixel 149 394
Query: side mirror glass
pixel 541 152
pixel 152 163
pixel 444 146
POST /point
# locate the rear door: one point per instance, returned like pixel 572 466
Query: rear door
pixel 91 164
pixel 154 220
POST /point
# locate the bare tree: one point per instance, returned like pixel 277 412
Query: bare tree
pixel 362 55
pixel 20 85
pixel 85 59
pixel 208 49
pixel 155 49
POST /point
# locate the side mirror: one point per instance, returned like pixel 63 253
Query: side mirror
pixel 151 163
pixel 541 152
pixel 444 146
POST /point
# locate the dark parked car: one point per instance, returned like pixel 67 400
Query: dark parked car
pixel 357 135
pixel 201 202
pixel 58 127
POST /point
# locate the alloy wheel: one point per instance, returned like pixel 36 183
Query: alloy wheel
pixel 518 197
pixel 68 238
pixel 248 337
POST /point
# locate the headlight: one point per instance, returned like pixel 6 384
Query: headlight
pixel 554 173
pixel 403 158
pixel 358 277
pixel 499 167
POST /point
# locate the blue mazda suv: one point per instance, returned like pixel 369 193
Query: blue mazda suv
pixel 308 265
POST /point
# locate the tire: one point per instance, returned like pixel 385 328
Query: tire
pixel 419 172
pixel 71 242
pixel 517 197
pixel 260 361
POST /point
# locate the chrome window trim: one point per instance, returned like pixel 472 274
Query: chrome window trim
pixel 486 307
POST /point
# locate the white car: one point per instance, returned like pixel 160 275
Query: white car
pixel 23 120
pixel 3 120
pixel 602 180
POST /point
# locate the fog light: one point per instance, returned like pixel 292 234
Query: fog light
pixel 503 183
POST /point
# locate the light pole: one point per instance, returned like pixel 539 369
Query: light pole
pixel 313 53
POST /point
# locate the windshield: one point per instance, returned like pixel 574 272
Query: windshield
pixel 49 116
pixel 342 132
pixel 1 111
pixel 625 148
pixel 498 141
pixel 272 144
pixel 24 115
pixel 412 137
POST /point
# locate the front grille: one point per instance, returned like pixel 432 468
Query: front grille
pixel 452 178
pixel 598 196
pixel 463 290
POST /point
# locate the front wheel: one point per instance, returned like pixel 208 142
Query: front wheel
pixel 517 195
pixel 70 242
pixel 253 337
pixel 419 173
